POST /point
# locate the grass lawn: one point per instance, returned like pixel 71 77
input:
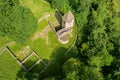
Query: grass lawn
pixel 41 46
pixel 30 61
pixel 8 67
pixel 42 24
pixel 20 50
pixel 3 41
pixel 38 7
pixel 45 46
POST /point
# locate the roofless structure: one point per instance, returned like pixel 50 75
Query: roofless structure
pixel 64 34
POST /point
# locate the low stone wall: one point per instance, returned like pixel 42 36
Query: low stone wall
pixel 21 62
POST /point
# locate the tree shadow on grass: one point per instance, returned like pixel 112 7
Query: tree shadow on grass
pixel 58 58
pixel 23 75
pixel 54 68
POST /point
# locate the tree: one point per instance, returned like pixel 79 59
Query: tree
pixel 61 5
pixel 72 64
pixel 72 76
pixel 98 40
pixel 76 70
pixel 16 21
pixel 91 73
pixel 71 68
pixel 103 58
pixel 51 78
pixel 81 12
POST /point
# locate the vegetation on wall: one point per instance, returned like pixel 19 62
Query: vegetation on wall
pixel 16 21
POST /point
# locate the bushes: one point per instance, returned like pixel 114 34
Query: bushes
pixel 98 40
pixel 16 21
pixel 61 5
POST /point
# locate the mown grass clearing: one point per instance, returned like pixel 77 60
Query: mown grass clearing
pixel 42 25
pixel 38 7
pixel 45 46
pixel 8 67
pixel 4 40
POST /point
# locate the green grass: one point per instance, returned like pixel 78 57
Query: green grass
pixel 42 24
pixel 16 48
pixel 38 7
pixel 72 38
pixel 44 50
pixel 30 61
pixel 8 67
pixel 39 67
pixel 4 40
pixel 40 47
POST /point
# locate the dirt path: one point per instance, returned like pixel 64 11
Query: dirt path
pixel 45 31
pixel 42 34
pixel 45 16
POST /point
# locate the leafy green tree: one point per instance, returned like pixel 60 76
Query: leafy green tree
pixel 113 30
pixel 51 78
pixel 76 70
pixel 72 64
pixel 61 5
pixel 11 2
pixel 71 69
pixel 91 73
pixel 16 21
pixel 72 76
pixel 103 58
pixel 98 41
pixel 81 12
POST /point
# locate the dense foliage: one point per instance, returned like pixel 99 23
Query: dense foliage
pixel 62 5
pixel 16 21
pixel 97 56
pixel 98 42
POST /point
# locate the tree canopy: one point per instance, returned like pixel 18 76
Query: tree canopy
pixel 61 5
pixel 16 21
pixel 98 40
